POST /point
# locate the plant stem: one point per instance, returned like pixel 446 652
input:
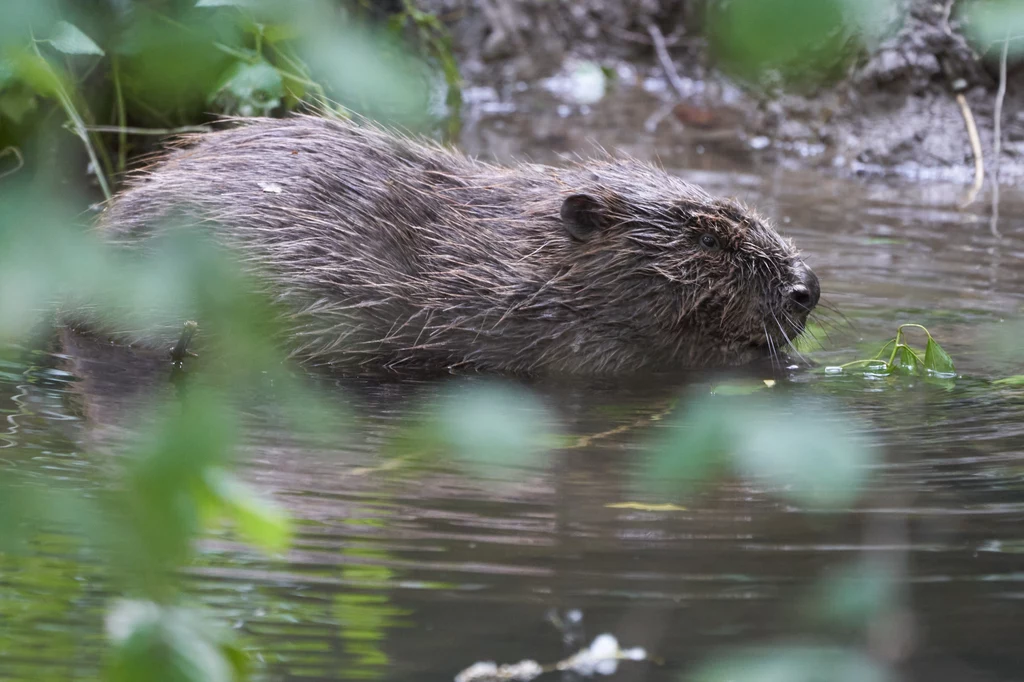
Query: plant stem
pixel 122 135
pixel 881 350
pixel 916 326
pixel 129 130
pixel 868 361
pixel 76 121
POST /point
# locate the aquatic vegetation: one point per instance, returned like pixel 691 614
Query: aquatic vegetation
pixel 904 358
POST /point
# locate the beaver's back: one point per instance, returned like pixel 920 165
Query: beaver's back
pixel 388 250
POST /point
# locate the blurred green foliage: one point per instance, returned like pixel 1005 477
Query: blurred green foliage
pixel 991 22
pixel 104 69
pixel 796 44
pixel 807 453
pixel 793 664
pixel 124 73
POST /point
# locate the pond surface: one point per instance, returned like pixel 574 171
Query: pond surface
pixel 415 571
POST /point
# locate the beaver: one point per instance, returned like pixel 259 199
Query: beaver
pixel 390 252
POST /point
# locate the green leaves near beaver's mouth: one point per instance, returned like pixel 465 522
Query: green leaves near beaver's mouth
pixel 905 359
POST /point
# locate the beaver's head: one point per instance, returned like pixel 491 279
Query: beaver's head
pixel 698 280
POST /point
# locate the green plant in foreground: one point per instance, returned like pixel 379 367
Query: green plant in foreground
pixel 904 358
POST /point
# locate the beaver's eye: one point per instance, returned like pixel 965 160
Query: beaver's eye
pixel 709 242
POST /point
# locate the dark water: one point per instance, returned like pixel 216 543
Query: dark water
pixel 407 571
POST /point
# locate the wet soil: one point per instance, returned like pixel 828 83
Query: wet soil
pixel 896 110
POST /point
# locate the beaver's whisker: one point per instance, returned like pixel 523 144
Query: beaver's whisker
pixel 772 353
pixel 823 324
pixel 789 342
pixel 832 308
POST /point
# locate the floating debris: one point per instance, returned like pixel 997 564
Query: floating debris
pixel 600 658
pixel 523 671
pixel 641 506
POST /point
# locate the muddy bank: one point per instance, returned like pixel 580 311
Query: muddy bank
pixel 895 111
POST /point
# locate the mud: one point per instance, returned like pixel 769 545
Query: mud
pixel 895 112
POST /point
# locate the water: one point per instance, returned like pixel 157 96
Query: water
pixel 413 570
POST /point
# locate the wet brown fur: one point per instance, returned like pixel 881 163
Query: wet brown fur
pixel 395 253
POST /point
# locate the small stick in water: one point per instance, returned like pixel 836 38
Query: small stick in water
pixel 180 350
pixel 979 163
pixel 997 137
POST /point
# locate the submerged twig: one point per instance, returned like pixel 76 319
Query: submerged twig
pixel 667 65
pixel 180 350
pixel 997 141
pixel 587 439
pixel 979 161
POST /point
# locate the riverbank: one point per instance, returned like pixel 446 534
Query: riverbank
pixel 897 111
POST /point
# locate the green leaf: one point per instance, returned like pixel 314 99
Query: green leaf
pixel 38 74
pixel 936 359
pixel 69 39
pixel 250 89
pixel 1017 380
pixel 906 361
pixel 257 518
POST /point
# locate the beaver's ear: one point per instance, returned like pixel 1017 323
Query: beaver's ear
pixel 583 216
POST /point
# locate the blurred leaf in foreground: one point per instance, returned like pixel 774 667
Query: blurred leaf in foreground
pixel 160 643
pixel 162 505
pixel 988 22
pixel 366 69
pixel 493 427
pixel 19 18
pixel 804 452
pixel 691 448
pixel 795 43
pixel 792 664
pixel 852 594
pixel 172 64
pixel 258 519
pixel 69 39
pixel 40 265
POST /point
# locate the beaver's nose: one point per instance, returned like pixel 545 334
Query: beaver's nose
pixel 806 291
